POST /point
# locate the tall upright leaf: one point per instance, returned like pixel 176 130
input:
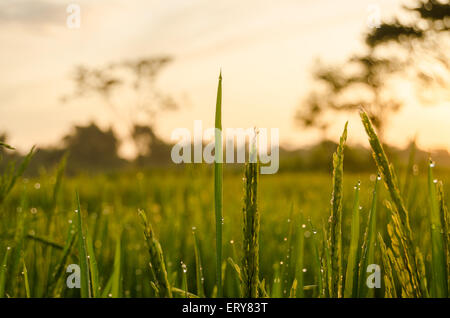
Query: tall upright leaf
pixel 351 276
pixel 3 272
pixel 82 253
pixel 218 187
pixel 335 220
pixel 439 282
pixel 369 242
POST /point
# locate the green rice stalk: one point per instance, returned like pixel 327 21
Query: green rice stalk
pixel 368 248
pixel 300 258
pixel 351 276
pixel 335 220
pixel 445 221
pixel 236 268
pixel 389 283
pixel 82 253
pixel 3 272
pixel 157 263
pixel 45 241
pixel 8 180
pixel 439 282
pixel 289 260
pixel 184 279
pixel 326 264
pixel 250 260
pixel 262 289
pixel 106 293
pixel 397 257
pixel 117 270
pixel 59 176
pixel 276 286
pixel 218 186
pixel 198 267
pixel 3 145
pixel 318 262
pixel 183 293
pixel 25 279
pixel 18 246
pixel 293 291
pixel 399 213
pixel 58 272
pixel 409 169
pixel 93 268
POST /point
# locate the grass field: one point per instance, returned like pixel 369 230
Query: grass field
pixel 169 232
pixel 178 203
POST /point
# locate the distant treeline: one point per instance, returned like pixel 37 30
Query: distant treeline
pixel 91 149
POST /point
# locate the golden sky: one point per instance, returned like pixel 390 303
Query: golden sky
pixel 265 48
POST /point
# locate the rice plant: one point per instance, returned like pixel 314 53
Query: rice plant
pixel 324 250
pixel 218 186
pixel 251 223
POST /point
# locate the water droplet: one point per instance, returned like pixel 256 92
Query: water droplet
pixel 435 181
pixel 304 270
pixel 303 225
pixel 231 241
pixel 194 228
pixel 432 164
pixel 281 263
pixel 285 239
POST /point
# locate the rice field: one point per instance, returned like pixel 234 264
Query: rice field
pixel 213 231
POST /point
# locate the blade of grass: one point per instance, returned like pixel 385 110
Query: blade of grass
pixel 10 180
pixel 368 254
pixel 218 187
pixel 3 145
pixel 445 220
pixel 335 221
pixel 351 276
pixel 300 257
pixel 93 268
pixel 58 272
pixel 439 282
pixel 317 260
pixel 82 253
pixel 25 278
pixel 117 270
pixel 184 279
pixel 198 267
pixel 3 271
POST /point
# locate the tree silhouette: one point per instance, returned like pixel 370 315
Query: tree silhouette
pixel 91 148
pixel 135 79
pixel 393 50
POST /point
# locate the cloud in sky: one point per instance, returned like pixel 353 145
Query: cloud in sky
pixel 32 12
